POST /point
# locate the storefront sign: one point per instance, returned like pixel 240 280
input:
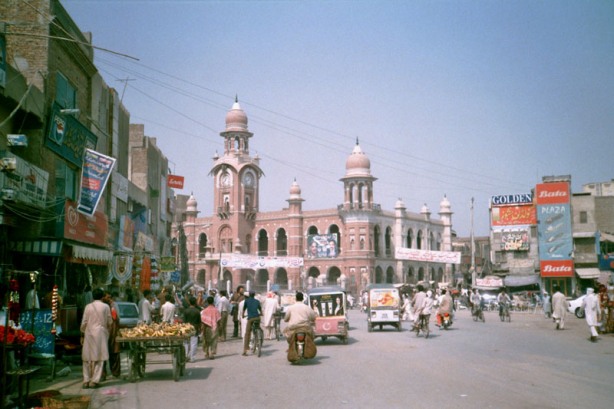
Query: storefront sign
pixel 174 181
pixel 448 257
pixel 86 229
pixel 68 137
pixel 511 199
pixel 94 177
pixel 255 262
pixel 556 268
pixel 513 215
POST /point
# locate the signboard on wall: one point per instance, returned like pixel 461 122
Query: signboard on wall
pixel 322 246
pixel 513 215
pixel 448 257
pixel 39 324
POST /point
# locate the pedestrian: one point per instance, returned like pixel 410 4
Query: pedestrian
pixel 223 307
pixel 167 310
pixel 210 318
pixel 253 311
pixel 95 327
pixel 191 315
pixel 236 298
pixel 604 302
pixel 146 307
pixel 269 309
pixel 547 306
pixel 592 312
pixel 114 347
pixel 559 307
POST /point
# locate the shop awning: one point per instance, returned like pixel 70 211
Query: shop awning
pixel 39 247
pixel 521 281
pixel 605 277
pixel 606 237
pixel 588 273
pixel 89 253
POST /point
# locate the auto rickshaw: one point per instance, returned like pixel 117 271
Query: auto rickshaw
pixel 384 306
pixel 329 304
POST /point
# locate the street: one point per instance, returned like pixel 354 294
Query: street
pixel 522 364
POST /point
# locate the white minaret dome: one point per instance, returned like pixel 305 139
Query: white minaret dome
pixel 295 189
pixel 236 119
pixel 191 204
pixel 444 206
pixel 425 209
pixel 358 164
pixel 399 204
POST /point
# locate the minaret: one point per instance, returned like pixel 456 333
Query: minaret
pixel 445 213
pixel 358 182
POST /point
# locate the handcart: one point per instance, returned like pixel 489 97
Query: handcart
pixel 138 347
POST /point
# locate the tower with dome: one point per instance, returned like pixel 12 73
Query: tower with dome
pixel 350 244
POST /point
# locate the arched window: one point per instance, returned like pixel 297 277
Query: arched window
pixel 419 240
pixel 410 239
pixel 282 243
pixel 388 241
pixel 390 275
pixel 263 243
pixel 202 244
pixel 376 234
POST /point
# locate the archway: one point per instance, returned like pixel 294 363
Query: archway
pixel 201 277
pixel 390 275
pixel 281 278
pixel 379 275
pixel 333 274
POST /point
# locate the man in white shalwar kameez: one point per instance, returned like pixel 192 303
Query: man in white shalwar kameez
pixel 592 312
pixel 269 309
pixel 559 307
pixel 95 327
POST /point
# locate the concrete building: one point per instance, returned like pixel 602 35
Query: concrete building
pixel 351 244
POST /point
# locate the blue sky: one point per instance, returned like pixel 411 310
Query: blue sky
pixel 457 98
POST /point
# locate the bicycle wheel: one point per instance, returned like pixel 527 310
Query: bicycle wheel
pixel 509 317
pixel 258 341
pixel 482 316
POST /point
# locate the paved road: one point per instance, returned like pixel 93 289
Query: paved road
pixel 522 364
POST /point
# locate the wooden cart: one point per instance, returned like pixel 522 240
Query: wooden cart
pixel 139 347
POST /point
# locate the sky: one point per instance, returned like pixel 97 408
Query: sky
pixel 463 99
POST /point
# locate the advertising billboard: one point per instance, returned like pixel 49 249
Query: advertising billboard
pixel 554 229
pixel 322 246
pixel 513 215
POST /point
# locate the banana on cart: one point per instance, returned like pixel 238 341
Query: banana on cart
pixel 155 330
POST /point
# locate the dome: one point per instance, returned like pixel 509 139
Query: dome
pixel 444 206
pixel 358 162
pixel 191 204
pixel 295 190
pixel 399 204
pixel 425 209
pixel 236 120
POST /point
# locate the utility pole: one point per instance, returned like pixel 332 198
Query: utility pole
pixel 473 274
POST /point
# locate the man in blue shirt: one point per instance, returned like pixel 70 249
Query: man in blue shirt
pixel 252 309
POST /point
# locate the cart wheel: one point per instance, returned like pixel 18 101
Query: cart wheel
pixel 133 366
pixel 140 364
pixel 176 365
pixel 182 360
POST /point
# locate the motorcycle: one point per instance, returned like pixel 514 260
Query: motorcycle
pixel 446 321
pixel 301 347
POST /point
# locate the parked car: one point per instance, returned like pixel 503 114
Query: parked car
pixel 575 306
pixel 128 314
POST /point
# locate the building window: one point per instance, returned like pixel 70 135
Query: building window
pixel 65 93
pixel 65 180
pixel 583 217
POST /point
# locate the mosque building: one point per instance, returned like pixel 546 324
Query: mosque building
pixel 352 244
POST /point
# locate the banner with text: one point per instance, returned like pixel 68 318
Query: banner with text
pixel 448 257
pixel 256 262
pixel 94 177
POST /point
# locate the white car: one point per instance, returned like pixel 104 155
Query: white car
pixel 575 306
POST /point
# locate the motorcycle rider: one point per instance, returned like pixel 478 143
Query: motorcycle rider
pixel 299 315
pixel 300 318
pixel 445 306
pixel 476 302
pixel 503 299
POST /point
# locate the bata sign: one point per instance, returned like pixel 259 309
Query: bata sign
pixel 511 199
pixel 557 268
pixel 552 193
pixel 174 181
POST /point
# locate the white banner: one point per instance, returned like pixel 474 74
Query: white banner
pixel 256 262
pixel 448 257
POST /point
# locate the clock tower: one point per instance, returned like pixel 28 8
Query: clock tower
pixel 236 177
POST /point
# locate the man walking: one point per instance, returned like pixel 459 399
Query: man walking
pixel 592 312
pixel 235 300
pixel 210 318
pixel 223 307
pixel 192 316
pixel 559 307
pixel 168 309
pixel 95 327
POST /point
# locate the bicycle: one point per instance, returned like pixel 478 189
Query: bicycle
pixel 423 325
pixel 478 313
pixel 504 312
pixel 278 325
pixel 257 338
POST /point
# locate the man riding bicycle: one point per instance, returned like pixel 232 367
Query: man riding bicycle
pixel 504 301
pixel 254 311
pixel 476 302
